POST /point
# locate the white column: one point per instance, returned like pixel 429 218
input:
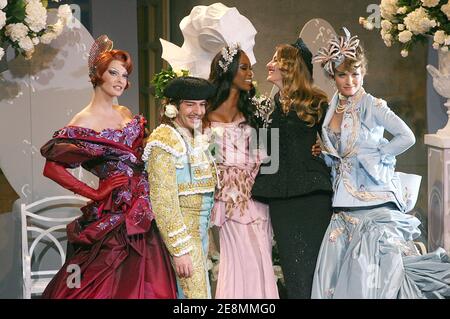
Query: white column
pixel 438 191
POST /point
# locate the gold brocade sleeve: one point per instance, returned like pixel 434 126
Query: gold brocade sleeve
pixel 165 203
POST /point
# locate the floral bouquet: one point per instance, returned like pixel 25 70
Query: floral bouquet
pixel 263 106
pixel 23 25
pixel 263 109
pixel 161 79
pixel 410 21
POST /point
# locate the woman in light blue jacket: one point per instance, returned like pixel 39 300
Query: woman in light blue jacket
pixel 368 249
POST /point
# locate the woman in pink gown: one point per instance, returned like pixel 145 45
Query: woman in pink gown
pixel 245 269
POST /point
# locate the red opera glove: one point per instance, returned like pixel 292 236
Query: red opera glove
pixel 60 175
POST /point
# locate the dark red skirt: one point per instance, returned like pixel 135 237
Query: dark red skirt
pixel 117 266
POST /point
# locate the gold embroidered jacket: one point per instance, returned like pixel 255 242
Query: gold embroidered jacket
pixel 182 180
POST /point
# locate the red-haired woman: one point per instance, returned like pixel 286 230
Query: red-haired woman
pixel 116 244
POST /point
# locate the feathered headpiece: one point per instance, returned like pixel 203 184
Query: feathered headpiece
pixel 337 50
pixel 100 45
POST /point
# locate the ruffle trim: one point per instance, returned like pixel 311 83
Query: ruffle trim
pixel 167 148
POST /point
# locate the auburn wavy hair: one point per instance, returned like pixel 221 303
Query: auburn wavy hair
pixel 103 60
pixel 298 90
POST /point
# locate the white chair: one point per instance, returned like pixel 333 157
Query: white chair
pixel 421 248
pixel 34 282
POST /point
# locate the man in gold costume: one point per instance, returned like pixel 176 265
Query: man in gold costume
pixel 182 180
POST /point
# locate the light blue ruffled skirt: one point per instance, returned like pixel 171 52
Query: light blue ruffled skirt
pixel 369 254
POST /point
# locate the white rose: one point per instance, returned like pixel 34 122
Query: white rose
pixel 405 36
pixel 430 3
pixel 3 3
pixel 401 27
pixel 404 53
pixel 2 53
pixel 402 10
pixel 444 49
pixel 29 54
pixel 418 21
pixel 171 111
pixel 365 23
pixel 47 37
pixel 387 38
pixel 386 25
pixel 36 15
pixel 439 37
pixel 388 9
pixel 35 40
pixel 447 40
pixel 16 31
pixel 2 19
pixel 446 9
pixel 58 28
pixel 65 13
pixel 369 25
pixel 26 44
pixel 386 35
pixel 436 45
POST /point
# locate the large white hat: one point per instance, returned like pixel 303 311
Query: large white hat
pixel 206 30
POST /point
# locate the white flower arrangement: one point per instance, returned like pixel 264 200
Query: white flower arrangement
pixel 410 21
pixel 263 109
pixel 23 24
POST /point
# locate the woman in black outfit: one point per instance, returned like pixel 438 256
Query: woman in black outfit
pixel 299 193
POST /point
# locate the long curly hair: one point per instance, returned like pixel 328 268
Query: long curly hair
pixel 222 81
pixel 298 90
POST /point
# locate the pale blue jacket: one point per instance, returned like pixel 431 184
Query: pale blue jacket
pixel 363 168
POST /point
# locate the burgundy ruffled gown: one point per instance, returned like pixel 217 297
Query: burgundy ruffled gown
pixel 116 243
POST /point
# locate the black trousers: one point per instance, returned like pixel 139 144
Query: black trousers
pixel 299 224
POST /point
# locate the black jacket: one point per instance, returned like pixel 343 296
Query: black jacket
pixel 299 172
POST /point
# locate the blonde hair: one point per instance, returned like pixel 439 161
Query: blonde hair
pixel 298 88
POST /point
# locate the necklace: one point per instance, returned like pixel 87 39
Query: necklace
pixel 350 101
pixel 341 108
